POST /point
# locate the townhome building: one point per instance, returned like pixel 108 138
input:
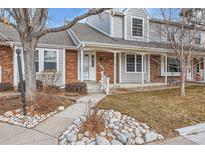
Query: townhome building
pixel 126 45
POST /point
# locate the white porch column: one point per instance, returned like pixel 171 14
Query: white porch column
pixel 120 67
pixel 81 64
pixel 142 69
pixel 148 70
pixel 115 68
pixel 165 65
pixel 204 68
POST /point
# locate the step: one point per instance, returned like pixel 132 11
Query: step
pixel 191 129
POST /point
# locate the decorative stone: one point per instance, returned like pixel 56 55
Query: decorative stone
pixel 4 119
pixel 120 136
pixel 150 136
pixel 61 108
pixel 80 136
pixel 80 142
pixel 92 143
pixel 139 140
pixel 8 113
pixel 71 138
pixel 142 131
pixel 137 132
pixel 116 142
pixel 102 141
pixel 77 121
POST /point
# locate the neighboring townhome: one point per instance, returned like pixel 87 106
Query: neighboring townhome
pixel 120 43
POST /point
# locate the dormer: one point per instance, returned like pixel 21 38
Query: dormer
pixel 124 23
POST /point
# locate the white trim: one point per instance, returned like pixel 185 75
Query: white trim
pixel 143 31
pixel 147 13
pixel 115 69
pixel 98 29
pixel 48 46
pixel 71 31
pixel 135 62
pixel 81 64
pixel 142 57
pixel 111 26
pixel 64 66
pixel 120 67
pixel 163 68
pixel 126 47
pixel 148 30
pixel 148 57
pixel 165 80
pixel 125 26
pixel 15 79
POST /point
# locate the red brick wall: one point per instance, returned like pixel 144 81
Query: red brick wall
pixel 71 66
pixel 106 59
pixel 6 61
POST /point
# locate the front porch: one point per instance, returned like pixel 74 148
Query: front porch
pixel 132 68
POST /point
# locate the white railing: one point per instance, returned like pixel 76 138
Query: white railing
pixel 105 83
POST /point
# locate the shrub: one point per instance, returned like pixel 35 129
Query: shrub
pixel 94 124
pixel 80 87
pixel 51 89
pixel 44 103
pixel 39 85
pixel 6 86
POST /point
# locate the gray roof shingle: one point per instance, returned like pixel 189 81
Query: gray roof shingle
pixel 86 33
pixel 59 38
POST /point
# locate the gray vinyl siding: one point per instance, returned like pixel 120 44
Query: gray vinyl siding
pixel 118 26
pixel 101 22
pixel 141 14
pixel 133 77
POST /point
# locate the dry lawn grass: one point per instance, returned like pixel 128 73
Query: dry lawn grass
pixel 163 110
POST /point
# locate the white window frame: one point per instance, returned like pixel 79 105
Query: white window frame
pixel 57 58
pixel 144 66
pixel 132 17
pixel 163 68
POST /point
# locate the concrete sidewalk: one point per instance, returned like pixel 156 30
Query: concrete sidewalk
pixel 48 131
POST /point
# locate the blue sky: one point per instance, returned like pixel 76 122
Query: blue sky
pixel 58 16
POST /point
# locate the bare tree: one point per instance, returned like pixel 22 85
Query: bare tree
pixel 180 26
pixel 31 26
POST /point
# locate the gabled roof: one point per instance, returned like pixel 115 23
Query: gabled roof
pixel 59 38
pixel 86 33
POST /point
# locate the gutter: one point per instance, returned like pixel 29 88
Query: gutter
pixel 125 47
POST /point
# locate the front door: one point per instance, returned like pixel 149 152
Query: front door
pixel 89 66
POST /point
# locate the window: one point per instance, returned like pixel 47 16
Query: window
pixel 130 63
pixel 50 60
pixel 139 63
pixel 198 68
pixel 137 27
pixel 173 65
pixel 93 60
pixel 134 63
pixel 37 60
pixel 198 38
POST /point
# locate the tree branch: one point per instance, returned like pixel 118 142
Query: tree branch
pixel 72 23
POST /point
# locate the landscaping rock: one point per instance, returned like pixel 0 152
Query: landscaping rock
pixel 61 108
pixel 116 142
pixel 119 136
pixel 102 141
pixel 150 136
pixel 139 140
pixel 8 113
pixel 71 138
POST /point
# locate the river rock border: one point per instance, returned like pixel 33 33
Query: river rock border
pixel 16 117
pixel 120 130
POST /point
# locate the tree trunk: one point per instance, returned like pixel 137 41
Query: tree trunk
pixel 183 77
pixel 30 70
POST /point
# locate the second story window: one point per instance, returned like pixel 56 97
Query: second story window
pixel 137 27
pixel 198 38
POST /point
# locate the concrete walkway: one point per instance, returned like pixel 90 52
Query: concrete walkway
pixel 194 134
pixel 48 131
